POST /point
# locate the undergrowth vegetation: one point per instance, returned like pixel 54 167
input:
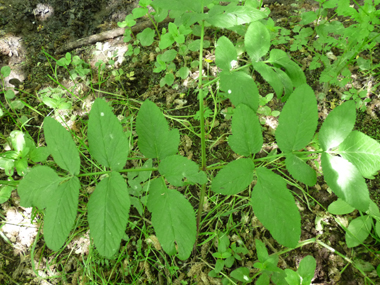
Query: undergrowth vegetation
pixel 161 186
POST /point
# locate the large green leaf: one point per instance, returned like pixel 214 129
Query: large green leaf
pixel 362 151
pixel 358 230
pixel 181 5
pixel 337 126
pixel 240 88
pixel 270 76
pixel 300 170
pixel 339 207
pixel 225 54
pixel 298 120
pixel 108 213
pixel 247 137
pixel 108 143
pixel 234 177
pixel 275 207
pixel 61 213
pixel 61 146
pixel 257 41
pixel 36 188
pixel 173 219
pixel 280 58
pixel 155 139
pixel 177 167
pixel 345 181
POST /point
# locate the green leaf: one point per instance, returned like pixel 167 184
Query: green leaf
pixel 263 279
pixel 247 138
pixel 257 41
pixel 108 143
pixel 225 54
pixel 306 269
pixel 9 94
pixel 183 72
pixel 286 82
pixel 146 37
pixel 358 230
pixel 219 265
pixel 21 165
pixel 241 274
pixel 261 251
pixel 234 177
pixel 155 139
pixel 61 146
pixel 139 12
pixel 298 120
pixel 5 71
pixel 292 277
pixel 241 88
pixel 61 213
pixel 180 5
pixel 17 140
pixel 168 55
pixel 373 210
pixel 345 181
pixel 337 126
pixel 177 167
pixel 39 154
pixel 5 193
pixel 362 151
pixel 36 188
pixel 168 79
pixel 173 219
pixel 339 207
pixel 275 207
pixel 300 170
pixel 270 76
pixel 280 58
pixel 108 213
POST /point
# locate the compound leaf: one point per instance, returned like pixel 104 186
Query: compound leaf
pixel 257 40
pixel 241 88
pixel 173 219
pixel 362 151
pixel 234 177
pixel 108 213
pixel 155 139
pixel 247 137
pixel 275 207
pixel 345 181
pixel 225 54
pixel 358 230
pixel 108 143
pixel 176 167
pixel 61 213
pixel 61 146
pixel 36 188
pixel 337 126
pixel 300 170
pixel 298 120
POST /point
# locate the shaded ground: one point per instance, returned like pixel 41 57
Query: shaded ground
pixel 26 28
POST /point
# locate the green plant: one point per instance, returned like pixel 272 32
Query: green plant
pixel 347 156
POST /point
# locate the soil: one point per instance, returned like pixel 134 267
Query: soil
pixel 29 28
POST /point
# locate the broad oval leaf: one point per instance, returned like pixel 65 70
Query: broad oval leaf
pixel 155 139
pixel 362 151
pixel 61 146
pixel 257 40
pixel 337 126
pixel 339 207
pixel 298 120
pixel 247 137
pixel 225 54
pixel 36 188
pixel 270 76
pixel 275 207
pixel 108 210
pixel 108 143
pixel 173 219
pixel 61 213
pixel 345 181
pixel 300 170
pixel 234 177
pixel 241 88
pixel 306 268
pixel 279 57
pixel 358 230
pixel 177 167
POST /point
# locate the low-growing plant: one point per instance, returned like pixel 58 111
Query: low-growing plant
pixel 347 156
